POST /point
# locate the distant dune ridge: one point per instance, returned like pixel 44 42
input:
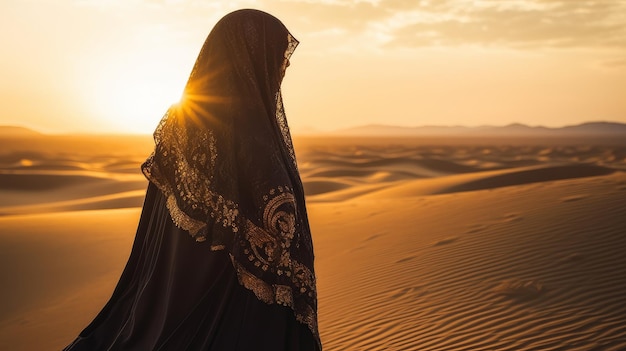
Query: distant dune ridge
pixel 598 128
pixel 516 129
pixel 436 243
pixel 8 131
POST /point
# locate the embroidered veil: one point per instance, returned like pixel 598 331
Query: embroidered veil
pixel 224 159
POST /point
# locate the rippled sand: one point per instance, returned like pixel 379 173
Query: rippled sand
pixel 420 244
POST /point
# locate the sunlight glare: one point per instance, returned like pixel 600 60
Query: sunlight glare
pixel 134 97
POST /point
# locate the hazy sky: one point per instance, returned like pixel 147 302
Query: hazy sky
pixel 115 65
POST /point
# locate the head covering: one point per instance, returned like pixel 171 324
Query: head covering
pixel 224 160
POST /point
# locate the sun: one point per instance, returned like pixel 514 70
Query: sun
pixel 131 97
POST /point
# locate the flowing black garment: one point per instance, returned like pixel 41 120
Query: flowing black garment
pixel 177 295
pixel 226 168
pixel 225 162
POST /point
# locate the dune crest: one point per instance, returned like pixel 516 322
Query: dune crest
pixel 513 268
pixel 420 244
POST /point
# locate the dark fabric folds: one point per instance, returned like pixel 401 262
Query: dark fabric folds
pixel 225 162
pixel 177 295
pixel 223 256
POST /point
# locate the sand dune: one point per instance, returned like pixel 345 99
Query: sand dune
pixel 47 169
pixel 57 271
pixel 442 245
pixel 41 191
pixel 516 268
pixel 490 180
pixel 436 168
pixel 52 173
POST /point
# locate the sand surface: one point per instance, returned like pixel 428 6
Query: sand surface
pixel 420 244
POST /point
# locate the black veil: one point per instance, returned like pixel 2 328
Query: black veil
pixel 224 159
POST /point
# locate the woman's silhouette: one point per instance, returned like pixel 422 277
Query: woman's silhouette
pixel 223 257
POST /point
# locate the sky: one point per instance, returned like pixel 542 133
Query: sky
pixel 114 66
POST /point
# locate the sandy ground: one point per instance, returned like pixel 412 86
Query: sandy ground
pixel 420 245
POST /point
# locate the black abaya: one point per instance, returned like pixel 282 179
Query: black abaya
pixel 177 294
pixel 223 256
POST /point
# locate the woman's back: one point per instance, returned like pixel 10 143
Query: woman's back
pixel 224 171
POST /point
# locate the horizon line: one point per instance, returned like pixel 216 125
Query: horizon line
pixel 314 131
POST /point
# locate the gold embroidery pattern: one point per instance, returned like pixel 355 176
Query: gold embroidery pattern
pixel 267 238
pixel 267 249
pixel 284 129
pixel 192 192
pixel 281 119
pixel 181 219
pixel 275 293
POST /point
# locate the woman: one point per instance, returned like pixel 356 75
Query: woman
pixel 223 258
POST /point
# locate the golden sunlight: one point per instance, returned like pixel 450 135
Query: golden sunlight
pixel 133 96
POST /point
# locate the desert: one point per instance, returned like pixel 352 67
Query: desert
pixel 422 243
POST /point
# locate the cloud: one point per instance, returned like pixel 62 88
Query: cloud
pixel 349 15
pixel 503 23
pixel 518 24
pixel 421 23
pixel 615 63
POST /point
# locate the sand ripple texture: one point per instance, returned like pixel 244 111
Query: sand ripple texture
pixel 520 268
pixel 338 170
pixel 53 173
pixel 420 244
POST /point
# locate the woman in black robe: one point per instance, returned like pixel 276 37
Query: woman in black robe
pixel 223 257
